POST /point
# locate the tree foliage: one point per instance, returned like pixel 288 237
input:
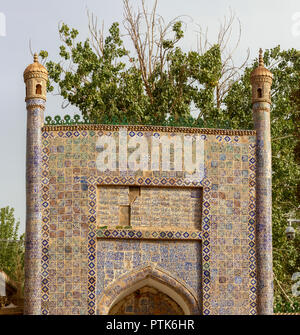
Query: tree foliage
pixel 162 84
pixel 106 83
pixel 11 245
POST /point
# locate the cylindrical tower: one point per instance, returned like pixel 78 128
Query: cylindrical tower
pixel 261 81
pixel 35 78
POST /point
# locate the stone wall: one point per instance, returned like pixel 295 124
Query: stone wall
pixel 149 207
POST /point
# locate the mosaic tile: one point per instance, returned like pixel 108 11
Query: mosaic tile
pixel 217 233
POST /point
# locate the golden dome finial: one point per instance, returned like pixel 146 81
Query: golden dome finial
pixel 261 81
pixel 35 70
pixel 260 70
pixel 261 60
pixel 35 58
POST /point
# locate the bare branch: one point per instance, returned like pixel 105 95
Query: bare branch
pixel 230 73
pixel 283 291
pixel 148 31
pixel 97 35
pixel 30 48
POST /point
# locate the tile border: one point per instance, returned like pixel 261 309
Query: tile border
pixel 147 234
pixel 252 231
pixel 167 129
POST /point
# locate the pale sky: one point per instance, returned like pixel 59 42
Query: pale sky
pixel 264 24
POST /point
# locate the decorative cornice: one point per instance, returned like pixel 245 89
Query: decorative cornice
pixel 264 100
pixel 38 74
pixel 33 106
pixel 37 96
pixel 261 78
pixel 35 101
pixel 262 109
pixel 262 106
pixel 167 129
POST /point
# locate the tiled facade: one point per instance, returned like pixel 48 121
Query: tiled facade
pixel 76 210
pixel 99 230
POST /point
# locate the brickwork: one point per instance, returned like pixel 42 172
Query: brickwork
pixel 151 207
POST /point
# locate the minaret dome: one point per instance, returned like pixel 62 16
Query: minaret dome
pixel 35 78
pixel 261 81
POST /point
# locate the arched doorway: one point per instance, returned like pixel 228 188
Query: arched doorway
pixel 146 286
pixel 146 301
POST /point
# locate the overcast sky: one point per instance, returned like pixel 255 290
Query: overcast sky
pixel 264 24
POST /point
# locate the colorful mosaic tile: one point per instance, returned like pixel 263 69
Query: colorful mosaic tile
pixel 149 234
pixel 71 205
pixel 182 260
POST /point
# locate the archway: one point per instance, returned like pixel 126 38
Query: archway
pixel 175 293
pixel 38 89
pixel 146 301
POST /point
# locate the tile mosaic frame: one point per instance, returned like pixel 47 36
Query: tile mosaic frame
pixel 45 229
pixel 149 234
pixel 163 276
pixel 252 230
pixel 204 234
pixel 93 183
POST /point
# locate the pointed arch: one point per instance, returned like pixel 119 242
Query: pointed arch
pixel 151 276
pixel 259 93
pixel 38 89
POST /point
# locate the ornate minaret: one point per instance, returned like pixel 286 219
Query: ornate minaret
pixel 35 78
pixel 261 81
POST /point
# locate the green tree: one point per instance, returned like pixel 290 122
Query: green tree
pixel 11 245
pixel 157 85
